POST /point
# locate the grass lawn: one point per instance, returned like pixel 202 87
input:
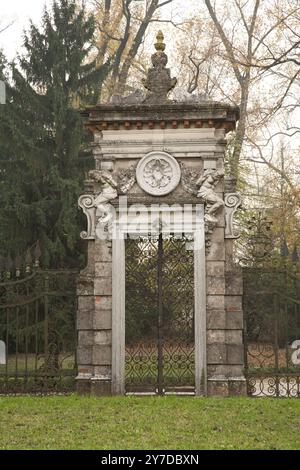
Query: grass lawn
pixel 148 423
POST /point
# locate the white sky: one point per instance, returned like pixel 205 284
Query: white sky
pixel 18 11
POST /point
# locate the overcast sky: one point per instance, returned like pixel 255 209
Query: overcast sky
pixel 18 11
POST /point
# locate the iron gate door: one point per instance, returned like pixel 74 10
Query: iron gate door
pixel 159 316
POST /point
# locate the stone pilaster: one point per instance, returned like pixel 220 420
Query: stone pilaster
pixel 94 314
pixel 225 352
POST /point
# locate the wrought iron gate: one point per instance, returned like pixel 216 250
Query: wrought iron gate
pixel 159 315
pixel 37 331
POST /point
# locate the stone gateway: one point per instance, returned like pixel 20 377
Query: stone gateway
pixel 160 301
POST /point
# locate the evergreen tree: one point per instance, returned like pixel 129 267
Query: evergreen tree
pixel 41 135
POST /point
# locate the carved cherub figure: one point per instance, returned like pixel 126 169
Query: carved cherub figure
pixel 206 184
pixel 108 186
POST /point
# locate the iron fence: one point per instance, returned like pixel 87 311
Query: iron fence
pixel 271 305
pixel 37 330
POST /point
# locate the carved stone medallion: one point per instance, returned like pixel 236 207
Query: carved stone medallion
pixel 158 173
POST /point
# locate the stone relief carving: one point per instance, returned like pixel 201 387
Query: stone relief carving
pixel 232 202
pixel 189 178
pixel 213 202
pixel 108 186
pixel 203 186
pixel 158 173
pixel 96 207
pixel 126 179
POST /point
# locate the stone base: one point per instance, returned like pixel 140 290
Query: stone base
pixel 226 387
pixel 93 386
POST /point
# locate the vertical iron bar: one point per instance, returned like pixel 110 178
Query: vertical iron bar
pixel 36 339
pixel 46 329
pixel 17 345
pixel 286 319
pixel 26 337
pixel 276 313
pixel 245 335
pixel 160 315
pixel 7 350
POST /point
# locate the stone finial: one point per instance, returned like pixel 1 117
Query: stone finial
pixel 160 45
pixel 159 82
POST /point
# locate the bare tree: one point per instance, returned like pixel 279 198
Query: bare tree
pixel 5 27
pixel 242 74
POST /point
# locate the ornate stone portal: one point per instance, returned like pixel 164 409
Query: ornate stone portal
pixel 167 155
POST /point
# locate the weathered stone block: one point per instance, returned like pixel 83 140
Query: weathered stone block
pixel 83 387
pixel 103 302
pixel 102 337
pixel 102 355
pixel 102 251
pixel 217 249
pixel 215 285
pixel 84 354
pixel 233 303
pixel 215 302
pixel 216 319
pixel 102 320
pixel 234 320
pixel 217 388
pixel 234 337
pixel 215 336
pixel 103 372
pixel 103 269
pixel 229 263
pixel 235 353
pixel 100 387
pixel 85 286
pixel 85 370
pixel 225 371
pixel 237 387
pixel 216 353
pixel 103 286
pixel 84 320
pixel 86 303
pixel 215 268
pixel 86 338
pixel 221 214
pixel 234 283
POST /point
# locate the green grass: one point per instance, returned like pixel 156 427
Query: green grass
pixel 148 423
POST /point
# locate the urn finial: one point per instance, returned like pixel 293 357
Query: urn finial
pixel 160 45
